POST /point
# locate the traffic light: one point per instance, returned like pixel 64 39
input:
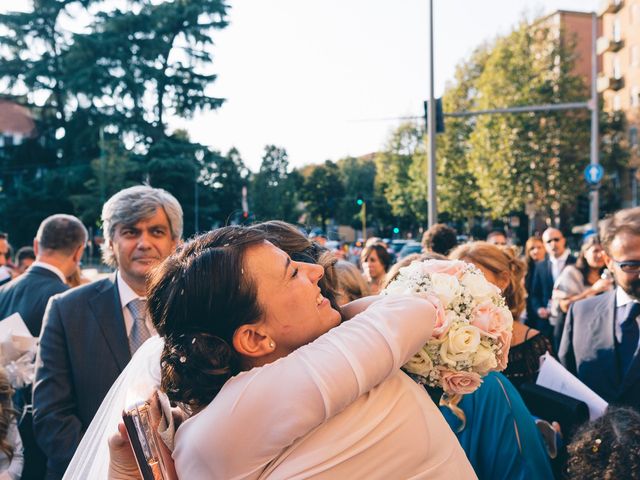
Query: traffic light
pixel 396 230
pixel 439 115
pixel 359 200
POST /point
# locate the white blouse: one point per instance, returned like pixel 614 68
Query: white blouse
pixel 336 408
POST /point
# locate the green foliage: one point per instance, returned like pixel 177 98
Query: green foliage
pixel 528 157
pixel 323 191
pixel 273 193
pixel 458 192
pixel 401 175
pixel 225 175
pixel 102 97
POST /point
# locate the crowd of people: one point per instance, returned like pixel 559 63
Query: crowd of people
pixel 281 360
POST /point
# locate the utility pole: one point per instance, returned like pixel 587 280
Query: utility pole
pixel 364 221
pixel 594 206
pixel 431 127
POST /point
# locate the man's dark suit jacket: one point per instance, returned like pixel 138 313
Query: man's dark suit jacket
pixel 588 350
pixel 541 289
pixel 83 349
pixel 28 295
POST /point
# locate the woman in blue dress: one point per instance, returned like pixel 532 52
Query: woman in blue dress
pixel 494 427
pixel 497 431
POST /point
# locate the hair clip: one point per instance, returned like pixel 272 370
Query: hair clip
pixel 596 445
pixel 193 340
pixel 183 359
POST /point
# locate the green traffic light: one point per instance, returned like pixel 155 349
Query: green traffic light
pixel 396 230
pixel 359 202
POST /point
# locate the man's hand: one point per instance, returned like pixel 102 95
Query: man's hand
pixel 122 462
pixel 543 312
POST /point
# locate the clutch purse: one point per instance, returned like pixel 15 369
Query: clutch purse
pixel 152 455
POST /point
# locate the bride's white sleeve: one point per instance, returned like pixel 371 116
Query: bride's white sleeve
pixel 136 383
pixel 266 409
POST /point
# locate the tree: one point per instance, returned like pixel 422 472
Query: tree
pixel 535 158
pixel 225 175
pixel 401 175
pixel 121 78
pixel 457 187
pixel 274 189
pixel 323 191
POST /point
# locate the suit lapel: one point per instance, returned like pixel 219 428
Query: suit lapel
pixel 632 374
pixel 604 316
pixel 549 277
pixel 108 314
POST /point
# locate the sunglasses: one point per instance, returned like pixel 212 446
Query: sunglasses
pixel 551 240
pixel 628 266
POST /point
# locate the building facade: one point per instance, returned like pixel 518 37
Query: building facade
pixel 619 79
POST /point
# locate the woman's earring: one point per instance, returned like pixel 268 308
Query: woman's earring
pixel 272 345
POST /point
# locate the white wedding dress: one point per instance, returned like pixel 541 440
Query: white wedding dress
pixel 136 383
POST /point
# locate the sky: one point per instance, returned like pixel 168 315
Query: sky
pixel 329 79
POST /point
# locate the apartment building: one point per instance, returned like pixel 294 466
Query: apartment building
pixel 574 29
pixel 619 80
pixel 16 123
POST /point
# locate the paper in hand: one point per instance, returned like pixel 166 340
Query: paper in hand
pixel 557 378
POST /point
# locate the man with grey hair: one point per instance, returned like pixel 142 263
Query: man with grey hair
pixel 58 247
pixel 90 333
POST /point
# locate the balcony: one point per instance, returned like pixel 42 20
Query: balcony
pixel 605 82
pixel 610 6
pixel 605 44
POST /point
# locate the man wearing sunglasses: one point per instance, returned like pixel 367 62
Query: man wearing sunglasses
pixel 601 334
pixel 544 276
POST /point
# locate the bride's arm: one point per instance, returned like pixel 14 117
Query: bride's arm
pixel 265 410
pixel 358 306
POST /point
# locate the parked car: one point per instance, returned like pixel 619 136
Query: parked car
pixel 410 247
pixel 396 245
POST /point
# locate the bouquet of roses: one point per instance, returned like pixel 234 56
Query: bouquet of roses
pixel 472 333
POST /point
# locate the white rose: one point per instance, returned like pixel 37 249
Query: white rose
pixel 445 287
pixel 420 363
pixel 484 360
pixel 412 270
pixel 478 287
pixel 460 343
pixel 398 288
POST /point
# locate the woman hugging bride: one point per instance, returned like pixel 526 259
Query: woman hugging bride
pixel 274 384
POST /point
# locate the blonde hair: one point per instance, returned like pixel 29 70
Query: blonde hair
pixel 7 413
pixel 499 260
pixel 351 283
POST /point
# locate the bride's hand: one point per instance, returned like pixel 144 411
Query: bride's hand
pixel 122 463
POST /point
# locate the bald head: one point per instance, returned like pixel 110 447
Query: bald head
pixel 554 242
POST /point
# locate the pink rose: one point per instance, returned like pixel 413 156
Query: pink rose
pixel 448 267
pixel 442 322
pixel 505 345
pixel 490 319
pixel 459 382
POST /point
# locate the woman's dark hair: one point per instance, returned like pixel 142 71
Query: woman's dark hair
pixel 581 262
pixel 197 298
pixel 383 254
pixel 300 248
pixel 607 448
pixel 7 413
